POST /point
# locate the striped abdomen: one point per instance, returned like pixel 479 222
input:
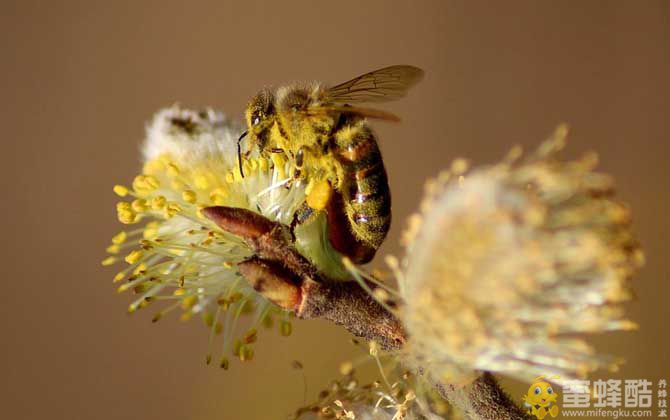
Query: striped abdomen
pixel 366 198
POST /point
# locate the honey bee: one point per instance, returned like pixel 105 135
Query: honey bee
pixel 334 151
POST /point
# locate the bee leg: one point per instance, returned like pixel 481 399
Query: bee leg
pixel 302 215
pixel 299 162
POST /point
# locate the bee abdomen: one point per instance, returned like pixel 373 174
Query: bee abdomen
pixel 365 191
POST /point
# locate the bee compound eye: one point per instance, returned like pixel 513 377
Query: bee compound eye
pixel 255 120
pixel 538 391
pixel 550 391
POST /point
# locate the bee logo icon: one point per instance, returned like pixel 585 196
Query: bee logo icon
pixel 541 399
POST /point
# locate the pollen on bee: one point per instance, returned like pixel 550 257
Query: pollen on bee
pixel 318 194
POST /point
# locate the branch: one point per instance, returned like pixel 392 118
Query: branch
pixel 483 398
pixel 278 272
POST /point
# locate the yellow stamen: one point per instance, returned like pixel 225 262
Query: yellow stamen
pixel 189 301
pixel 127 217
pixel 108 261
pixel 172 170
pixel 119 238
pixel 113 249
pixel 134 256
pixel 120 190
pixel 158 202
pixel 171 210
pixel 140 268
pixel 153 167
pixel 285 328
pixel 140 205
pixel 218 196
pixel 189 196
pixel 201 182
pixel 279 163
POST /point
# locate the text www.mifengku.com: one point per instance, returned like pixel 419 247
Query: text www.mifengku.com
pixel 607 413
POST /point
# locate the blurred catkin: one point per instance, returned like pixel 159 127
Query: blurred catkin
pixel 507 265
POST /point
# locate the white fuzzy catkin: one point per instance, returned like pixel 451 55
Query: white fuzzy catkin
pixel 507 265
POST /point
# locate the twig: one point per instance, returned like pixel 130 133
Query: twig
pixel 283 276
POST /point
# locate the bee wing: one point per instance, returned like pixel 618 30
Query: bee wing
pixel 383 85
pixel 346 109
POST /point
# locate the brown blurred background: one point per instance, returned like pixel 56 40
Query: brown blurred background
pixel 79 80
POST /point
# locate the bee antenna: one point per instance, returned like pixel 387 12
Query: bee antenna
pixel 239 152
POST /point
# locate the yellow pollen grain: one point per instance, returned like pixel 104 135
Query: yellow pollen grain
pixel 172 170
pixel 140 268
pixel 113 249
pixel 108 261
pixel 122 288
pixel 141 288
pixel 459 166
pixel 120 190
pixel 158 202
pixel 150 233
pixel 140 205
pixel 138 183
pixel 189 196
pixel 119 238
pixel 263 164
pixel 246 166
pixel 126 216
pixel 119 276
pixel 346 368
pixel 189 301
pixel 279 163
pixel 201 182
pixel 123 206
pixel 218 196
pixel 171 210
pixel 177 185
pixel 227 264
pixel 134 256
pixel 151 182
pixel 253 165
pixel 153 167
pixel 179 292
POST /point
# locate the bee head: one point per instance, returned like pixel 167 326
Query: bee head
pixel 260 115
